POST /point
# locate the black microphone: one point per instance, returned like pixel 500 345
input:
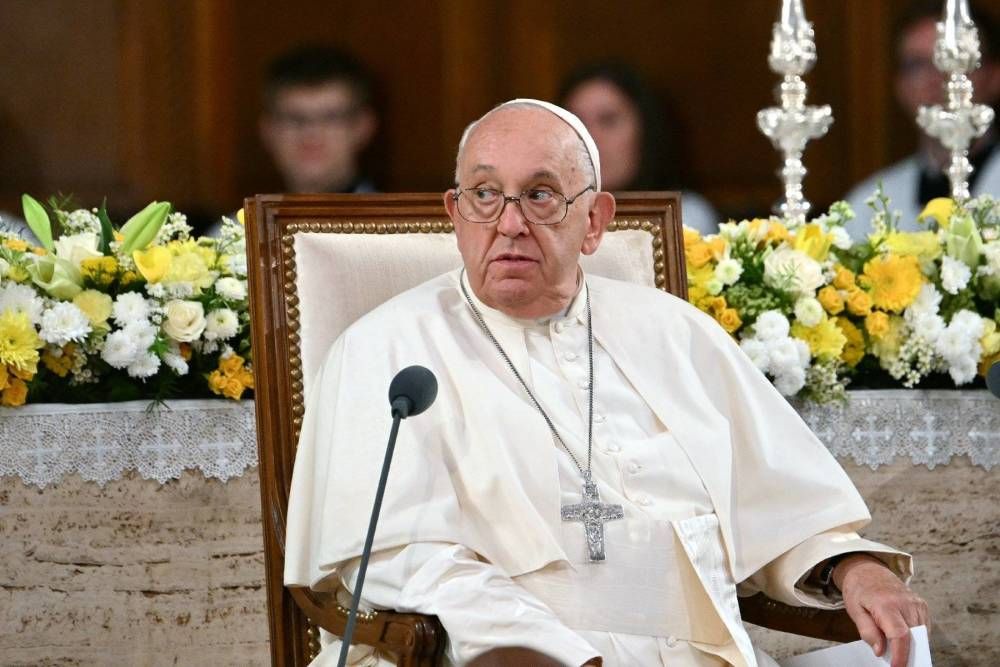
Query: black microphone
pixel 411 392
pixel 993 379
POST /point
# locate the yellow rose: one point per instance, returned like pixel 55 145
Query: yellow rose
pixel 776 232
pixel 730 320
pixel 691 236
pixel 854 349
pixel 990 340
pixel 246 377
pixel 15 393
pixel 4 376
pixel 153 263
pixel 844 279
pixel 95 305
pixel 698 255
pixel 877 324
pixel 940 209
pixel 233 388
pixel 231 364
pixel 859 303
pixel 717 245
pixel 831 300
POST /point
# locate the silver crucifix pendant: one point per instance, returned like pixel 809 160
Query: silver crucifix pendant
pixel 594 514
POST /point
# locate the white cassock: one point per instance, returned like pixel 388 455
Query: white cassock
pixel 721 482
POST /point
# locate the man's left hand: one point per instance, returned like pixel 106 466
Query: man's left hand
pixel 880 604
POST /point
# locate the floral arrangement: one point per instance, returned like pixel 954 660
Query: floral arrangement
pixel 815 312
pixel 99 313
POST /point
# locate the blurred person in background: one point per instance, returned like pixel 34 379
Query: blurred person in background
pixel 318 120
pixel 914 181
pixel 630 128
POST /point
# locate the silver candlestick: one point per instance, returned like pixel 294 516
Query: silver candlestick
pixel 792 125
pixel 956 53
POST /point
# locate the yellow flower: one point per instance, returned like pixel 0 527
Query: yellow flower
pixel 831 300
pixel 941 209
pixel 100 271
pixel 153 263
pixel 854 348
pixel 61 364
pixel 185 349
pixel 717 245
pixel 895 281
pixel 844 279
pixel 19 342
pixel 15 394
pixel 240 218
pixel 231 379
pixel 888 344
pixel 730 320
pixel 825 340
pixel 16 244
pixel 877 324
pixel 216 381
pixel 4 376
pixel 17 273
pixel 698 255
pixel 129 277
pixel 691 236
pixel 987 362
pixel 813 241
pixel 776 232
pixel 231 364
pixel 95 305
pixel 189 267
pixel 859 303
pixel 922 245
pixel 990 340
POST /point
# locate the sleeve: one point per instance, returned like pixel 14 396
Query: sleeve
pixel 480 607
pixel 785 578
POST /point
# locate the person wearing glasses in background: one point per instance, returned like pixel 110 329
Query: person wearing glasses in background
pixel 602 467
pixel 914 181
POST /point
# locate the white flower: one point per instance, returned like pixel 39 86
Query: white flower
pixel 757 351
pixel 803 349
pixel 991 251
pixel 21 299
pixel 841 239
pixel 728 271
pixel 221 324
pixel 62 323
pixel 963 370
pixel 784 355
pixel 156 290
pixel 232 289
pixel 927 325
pixel 792 270
pixel 714 286
pixel 808 311
pixel 82 220
pixel 968 321
pixel 955 275
pixel 771 325
pixel 130 307
pixel 77 247
pixel 142 333
pixel 144 366
pixel 4 267
pixel 119 349
pixel 185 320
pixel 176 363
pixel 237 264
pixel 927 300
pixel 788 383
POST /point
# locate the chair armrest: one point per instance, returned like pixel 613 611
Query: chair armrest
pixel 832 625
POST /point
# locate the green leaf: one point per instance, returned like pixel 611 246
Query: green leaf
pixel 107 230
pixel 38 221
pixel 143 227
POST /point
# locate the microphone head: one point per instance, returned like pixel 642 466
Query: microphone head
pixel 412 391
pixel 993 379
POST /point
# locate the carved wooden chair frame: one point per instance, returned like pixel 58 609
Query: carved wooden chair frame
pixel 272 222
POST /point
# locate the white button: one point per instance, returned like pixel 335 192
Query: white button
pixel 570 356
pixel 634 467
pixel 599 418
pixel 583 384
pixel 643 499
pixel 559 326
pixel 671 641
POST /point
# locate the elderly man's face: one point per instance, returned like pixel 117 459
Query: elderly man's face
pixel 522 269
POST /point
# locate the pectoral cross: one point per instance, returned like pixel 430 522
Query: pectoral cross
pixel 593 514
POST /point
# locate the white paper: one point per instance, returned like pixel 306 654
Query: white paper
pixel 860 654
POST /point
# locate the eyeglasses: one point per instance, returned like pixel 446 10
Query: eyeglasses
pixel 538 206
pixel 295 121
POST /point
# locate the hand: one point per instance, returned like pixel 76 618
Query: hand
pixel 882 606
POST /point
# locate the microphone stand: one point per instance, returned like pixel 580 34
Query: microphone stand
pixel 400 410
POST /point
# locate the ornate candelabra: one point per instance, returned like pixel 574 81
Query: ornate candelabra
pixel 956 53
pixel 792 125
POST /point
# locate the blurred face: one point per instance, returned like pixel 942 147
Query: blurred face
pixel 918 81
pixel 519 268
pixel 315 135
pixel 615 124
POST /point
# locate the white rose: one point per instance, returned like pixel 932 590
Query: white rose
pixel 808 311
pixel 75 248
pixel 794 271
pixel 185 320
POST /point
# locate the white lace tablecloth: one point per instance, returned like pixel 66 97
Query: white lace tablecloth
pixel 927 426
pixel 41 443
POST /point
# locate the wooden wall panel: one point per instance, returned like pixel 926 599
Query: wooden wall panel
pixel 142 99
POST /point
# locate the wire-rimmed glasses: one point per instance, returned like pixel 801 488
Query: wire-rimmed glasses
pixel 539 206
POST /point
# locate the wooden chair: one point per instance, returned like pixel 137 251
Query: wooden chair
pixel 317 263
